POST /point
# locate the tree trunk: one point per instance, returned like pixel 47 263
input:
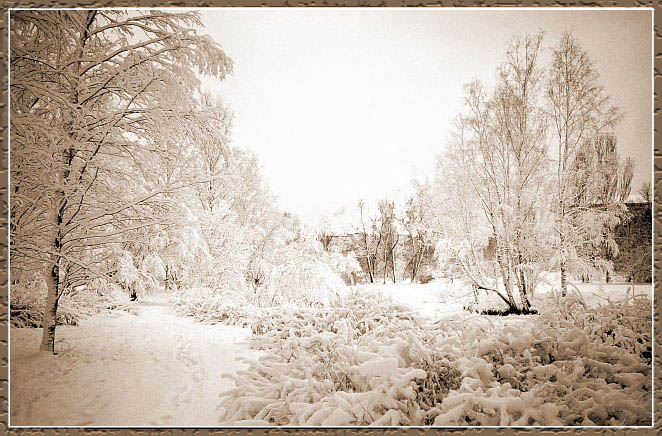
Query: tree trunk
pixel 50 311
pixel 52 274
pixel 505 274
pixel 413 270
pixel 370 264
pixel 418 259
pixel 385 263
pixel 526 305
pixel 509 292
pixel 564 282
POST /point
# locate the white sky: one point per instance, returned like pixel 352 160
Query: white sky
pixel 342 104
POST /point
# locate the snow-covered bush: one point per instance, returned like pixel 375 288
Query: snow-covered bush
pixel 27 304
pixel 345 265
pixel 367 362
pixel 302 272
pixel 98 297
pixel 357 363
pixel 574 366
pixel 27 301
pixel 213 306
pixel 139 279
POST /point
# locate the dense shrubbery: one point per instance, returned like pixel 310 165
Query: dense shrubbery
pixel 368 361
pixel 23 316
pixel 299 273
pixel 213 306
pixel 574 366
pixel 27 303
pixel 320 365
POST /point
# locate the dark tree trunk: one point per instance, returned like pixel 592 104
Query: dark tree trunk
pixel 371 268
pixel 506 275
pixel 526 305
pixel 50 311
pixel 52 277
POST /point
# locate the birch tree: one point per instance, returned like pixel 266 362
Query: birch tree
pixel 90 91
pixel 520 131
pixel 501 146
pixel 579 113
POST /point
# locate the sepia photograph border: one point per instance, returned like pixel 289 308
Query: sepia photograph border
pixel 4 221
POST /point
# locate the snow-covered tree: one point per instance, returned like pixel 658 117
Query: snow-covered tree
pixel 601 188
pixel 580 114
pixel 370 241
pixel 416 220
pixel 90 91
pixel 646 193
pixel 389 236
pixel 500 144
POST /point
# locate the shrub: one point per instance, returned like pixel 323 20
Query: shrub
pixel 368 362
pixel 343 365
pixel 213 306
pixel 28 300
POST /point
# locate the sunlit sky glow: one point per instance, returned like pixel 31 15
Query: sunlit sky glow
pixel 342 104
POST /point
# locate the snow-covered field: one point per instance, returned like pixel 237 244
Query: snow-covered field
pixel 369 361
pixel 154 369
pixel 442 298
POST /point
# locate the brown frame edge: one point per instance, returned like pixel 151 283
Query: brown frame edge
pixel 4 183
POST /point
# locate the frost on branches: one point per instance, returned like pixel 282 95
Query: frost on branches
pixel 91 94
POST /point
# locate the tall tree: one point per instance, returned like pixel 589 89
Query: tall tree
pixel 388 234
pixel 503 153
pixel 90 91
pixel 520 130
pixel 372 239
pixel 579 113
pixel 417 225
pixel 602 186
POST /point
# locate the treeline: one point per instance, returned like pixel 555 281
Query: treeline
pixel 530 182
pixel 391 241
pixel 124 175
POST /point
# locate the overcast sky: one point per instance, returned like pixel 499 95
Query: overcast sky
pixel 342 104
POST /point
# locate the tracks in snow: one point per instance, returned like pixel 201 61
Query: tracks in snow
pixel 154 369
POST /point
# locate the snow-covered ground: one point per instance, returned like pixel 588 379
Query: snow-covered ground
pixel 153 369
pixel 441 298
pixel 436 299
pixel 161 369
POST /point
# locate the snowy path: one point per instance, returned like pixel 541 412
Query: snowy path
pixel 154 369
